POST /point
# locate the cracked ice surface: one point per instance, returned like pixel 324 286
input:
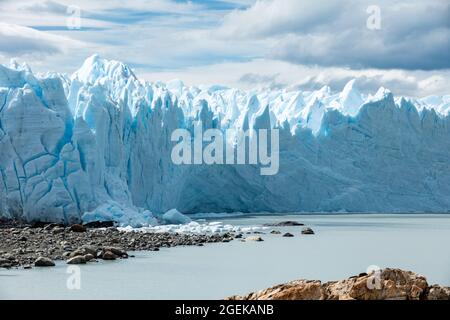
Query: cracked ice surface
pixel 96 146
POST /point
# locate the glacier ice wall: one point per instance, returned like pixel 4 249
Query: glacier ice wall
pixel 97 145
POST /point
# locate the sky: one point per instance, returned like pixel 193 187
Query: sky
pixel 403 45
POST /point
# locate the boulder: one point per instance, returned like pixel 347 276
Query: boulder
pixel 108 255
pixel 44 262
pixel 77 228
pixel 5 263
pixel 117 251
pixel 307 231
pixel 77 260
pixel 77 253
pixel 295 290
pixel 386 284
pixel 436 292
pixel 89 257
pixel 254 238
pixel 99 224
pixel 90 250
pixel 84 250
pixel 284 224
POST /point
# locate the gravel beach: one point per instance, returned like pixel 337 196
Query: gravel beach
pixel 27 246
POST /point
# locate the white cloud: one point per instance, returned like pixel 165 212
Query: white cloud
pixel 303 44
pixel 277 74
pixel 413 35
pixel 269 18
pixel 17 40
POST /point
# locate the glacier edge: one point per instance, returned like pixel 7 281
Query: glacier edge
pixel 97 145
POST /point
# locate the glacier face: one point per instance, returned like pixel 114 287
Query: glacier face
pixel 96 146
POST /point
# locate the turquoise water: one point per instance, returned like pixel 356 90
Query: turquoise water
pixel 344 245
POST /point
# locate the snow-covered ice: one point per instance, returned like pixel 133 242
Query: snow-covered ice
pixel 198 228
pixel 96 145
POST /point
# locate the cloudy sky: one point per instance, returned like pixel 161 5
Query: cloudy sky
pixel 400 44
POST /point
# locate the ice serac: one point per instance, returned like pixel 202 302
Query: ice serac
pixel 97 146
pixel 350 99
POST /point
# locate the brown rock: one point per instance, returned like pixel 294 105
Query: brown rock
pixel 117 251
pixel 387 284
pixel 436 292
pixel 77 228
pixel 295 290
pixel 108 255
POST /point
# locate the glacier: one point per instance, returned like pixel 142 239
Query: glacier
pixel 96 146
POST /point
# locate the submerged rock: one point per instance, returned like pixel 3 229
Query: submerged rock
pixel 284 224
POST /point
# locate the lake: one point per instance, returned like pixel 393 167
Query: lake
pixel 344 245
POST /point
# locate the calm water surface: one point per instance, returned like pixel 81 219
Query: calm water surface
pixel 344 245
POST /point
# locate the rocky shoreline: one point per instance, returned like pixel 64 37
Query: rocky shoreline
pixel 40 245
pixel 28 246
pixel 386 284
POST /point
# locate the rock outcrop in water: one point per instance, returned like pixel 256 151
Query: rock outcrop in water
pixel 387 284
